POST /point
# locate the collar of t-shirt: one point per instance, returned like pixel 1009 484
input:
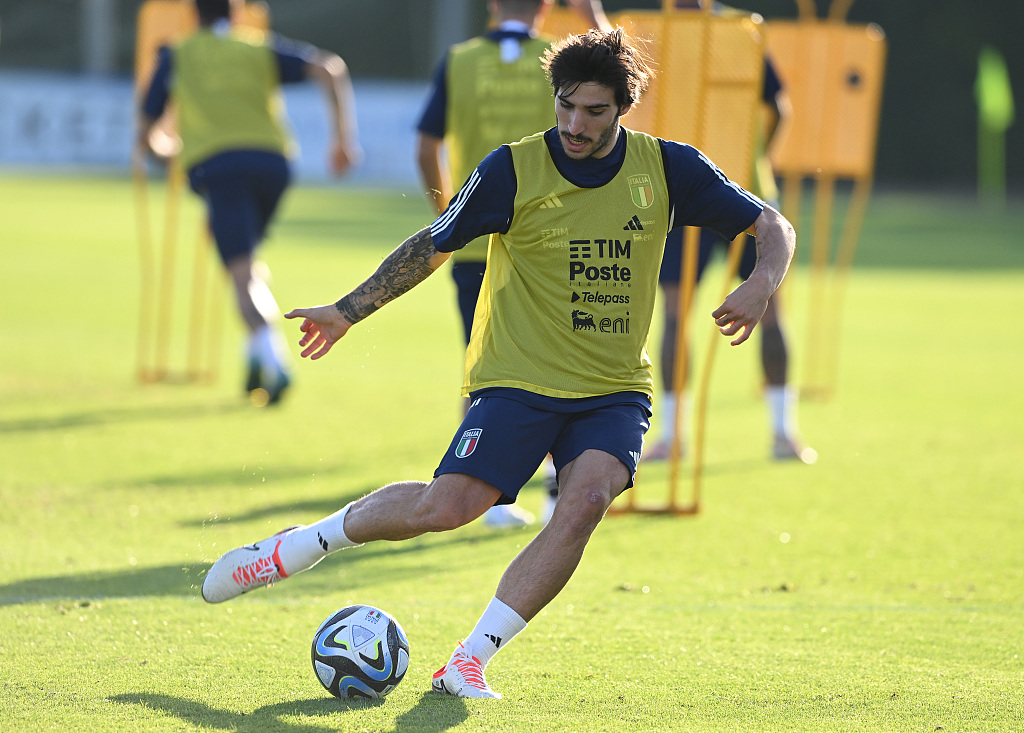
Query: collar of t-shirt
pixel 589 172
pixel 221 27
pixel 510 36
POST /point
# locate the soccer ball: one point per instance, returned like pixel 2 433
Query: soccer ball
pixel 360 651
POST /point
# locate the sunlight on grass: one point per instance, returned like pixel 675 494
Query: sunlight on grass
pixel 879 590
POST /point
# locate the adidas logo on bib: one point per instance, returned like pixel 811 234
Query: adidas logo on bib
pixel 634 224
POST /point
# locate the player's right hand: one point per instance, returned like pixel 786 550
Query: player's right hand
pixel 322 327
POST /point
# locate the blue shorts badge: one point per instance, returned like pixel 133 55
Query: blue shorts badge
pixel 467 443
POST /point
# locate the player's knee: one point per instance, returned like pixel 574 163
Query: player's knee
pixel 584 508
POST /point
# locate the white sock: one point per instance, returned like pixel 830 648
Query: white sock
pixel 305 547
pixel 781 410
pixel 493 631
pixel 667 406
pixel 265 347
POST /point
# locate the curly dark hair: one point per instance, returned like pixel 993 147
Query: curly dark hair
pixel 608 58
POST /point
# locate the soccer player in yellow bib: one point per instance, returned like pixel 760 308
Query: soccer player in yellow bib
pixel 557 362
pixel 488 91
pixel 235 144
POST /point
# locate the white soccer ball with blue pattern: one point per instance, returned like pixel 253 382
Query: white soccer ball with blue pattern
pixel 360 651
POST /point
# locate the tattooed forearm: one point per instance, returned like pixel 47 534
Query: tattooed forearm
pixel 408 266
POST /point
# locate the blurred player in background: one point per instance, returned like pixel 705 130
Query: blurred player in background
pixel 225 87
pixel 779 394
pixel 488 91
pixel 557 363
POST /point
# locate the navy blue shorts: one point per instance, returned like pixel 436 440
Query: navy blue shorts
pixel 503 441
pixel 242 189
pixel 468 277
pixel 673 259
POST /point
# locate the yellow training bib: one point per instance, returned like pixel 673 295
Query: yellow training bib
pixel 568 295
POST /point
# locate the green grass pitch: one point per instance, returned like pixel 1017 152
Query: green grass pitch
pixel 879 590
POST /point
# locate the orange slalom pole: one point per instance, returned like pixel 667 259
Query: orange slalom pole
pixel 144 233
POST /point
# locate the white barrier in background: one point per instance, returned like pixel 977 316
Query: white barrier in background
pixel 54 121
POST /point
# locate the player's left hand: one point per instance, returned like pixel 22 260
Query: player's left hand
pixel 344 157
pixel 741 311
pixel 322 327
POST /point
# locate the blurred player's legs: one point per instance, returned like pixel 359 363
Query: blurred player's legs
pixel 550 490
pixel 267 353
pixel 242 190
pixel 779 395
pixel 660 449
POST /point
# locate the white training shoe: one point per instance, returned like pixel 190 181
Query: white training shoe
pixel 246 568
pixel 502 516
pixel 463 676
pixel 785 448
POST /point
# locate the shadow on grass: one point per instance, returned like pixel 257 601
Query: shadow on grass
pixel 185 580
pixel 114 415
pixel 431 712
pixel 653 476
pixel 320 507
pixel 167 580
pixel 236 476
